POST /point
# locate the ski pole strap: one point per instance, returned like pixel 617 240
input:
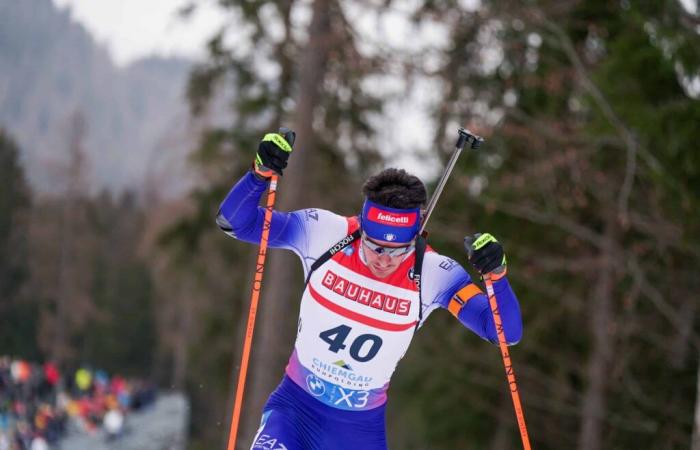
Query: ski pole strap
pixel 338 246
pixel 350 238
pixel 421 245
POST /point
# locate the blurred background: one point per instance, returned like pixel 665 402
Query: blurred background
pixel 123 124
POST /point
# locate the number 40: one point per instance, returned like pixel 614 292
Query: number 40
pixel 335 337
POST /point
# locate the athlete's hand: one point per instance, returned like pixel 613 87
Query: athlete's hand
pixel 485 253
pixel 273 153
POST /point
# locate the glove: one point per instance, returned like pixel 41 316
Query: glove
pixel 485 253
pixel 273 153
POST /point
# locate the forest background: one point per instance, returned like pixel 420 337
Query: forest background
pixel 590 176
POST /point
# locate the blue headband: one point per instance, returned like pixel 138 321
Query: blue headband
pixel 390 224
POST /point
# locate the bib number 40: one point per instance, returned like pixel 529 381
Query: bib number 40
pixel 363 348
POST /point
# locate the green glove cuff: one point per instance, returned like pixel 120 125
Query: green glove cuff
pixel 484 239
pixel 279 141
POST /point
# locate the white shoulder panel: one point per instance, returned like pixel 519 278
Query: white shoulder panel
pixel 442 278
pixel 318 230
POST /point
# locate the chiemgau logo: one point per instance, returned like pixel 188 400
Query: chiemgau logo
pixel 315 385
pixel 389 237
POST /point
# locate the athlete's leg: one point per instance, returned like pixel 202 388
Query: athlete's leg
pixel 289 421
pixel 358 439
pixel 277 432
pixel 365 431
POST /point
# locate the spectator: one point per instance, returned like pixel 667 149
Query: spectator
pixel 5 376
pixel 39 443
pixel 83 380
pixel 21 371
pixel 51 373
pixel 113 423
pixel 101 379
pixel 35 408
pixel 23 435
pixel 49 383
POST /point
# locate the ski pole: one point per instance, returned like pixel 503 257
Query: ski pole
pixel 464 136
pixel 510 373
pixel 254 298
pixel 507 362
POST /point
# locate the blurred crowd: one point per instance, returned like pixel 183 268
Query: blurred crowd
pixel 39 404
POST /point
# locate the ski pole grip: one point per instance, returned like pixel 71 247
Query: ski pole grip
pixel 289 135
pixel 476 142
pixel 466 135
pixel 462 139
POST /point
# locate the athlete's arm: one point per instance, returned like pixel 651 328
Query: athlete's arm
pixel 447 285
pixel 471 306
pixel 240 216
pixel 307 232
pixel 486 255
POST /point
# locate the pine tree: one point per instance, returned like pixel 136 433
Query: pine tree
pixel 589 178
pixel 16 309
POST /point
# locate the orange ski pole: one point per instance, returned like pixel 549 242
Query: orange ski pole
pixel 255 296
pixel 289 136
pixel 510 373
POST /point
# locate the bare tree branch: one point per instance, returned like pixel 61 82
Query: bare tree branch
pixel 669 233
pixel 533 215
pixel 653 294
pixel 695 444
pixel 627 135
pixel 551 133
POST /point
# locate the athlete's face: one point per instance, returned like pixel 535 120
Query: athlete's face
pixel 383 257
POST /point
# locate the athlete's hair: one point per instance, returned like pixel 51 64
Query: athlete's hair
pixel 395 188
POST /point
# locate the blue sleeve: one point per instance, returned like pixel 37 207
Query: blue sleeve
pixel 240 216
pixel 476 314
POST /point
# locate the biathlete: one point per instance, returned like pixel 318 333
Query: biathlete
pixel 371 282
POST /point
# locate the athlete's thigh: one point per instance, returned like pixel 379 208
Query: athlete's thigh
pixel 278 432
pixel 349 436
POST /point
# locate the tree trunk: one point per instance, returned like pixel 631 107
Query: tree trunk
pixel 60 350
pixel 279 304
pixel 695 444
pixel 183 337
pixel 683 345
pixel 601 322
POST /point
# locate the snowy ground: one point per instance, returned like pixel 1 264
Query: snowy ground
pixel 162 426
